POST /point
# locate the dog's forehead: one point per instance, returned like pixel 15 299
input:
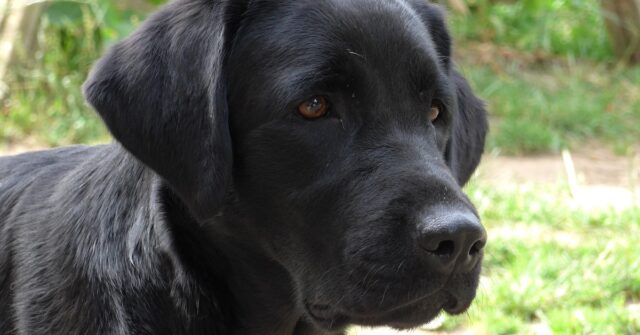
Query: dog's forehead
pixel 296 40
pixel 370 28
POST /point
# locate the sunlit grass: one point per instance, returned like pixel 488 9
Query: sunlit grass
pixel 552 267
pixel 542 108
pixel 45 101
pixel 560 27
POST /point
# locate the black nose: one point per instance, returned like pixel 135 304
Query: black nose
pixel 449 239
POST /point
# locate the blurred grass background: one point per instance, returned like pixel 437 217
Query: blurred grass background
pixel 547 69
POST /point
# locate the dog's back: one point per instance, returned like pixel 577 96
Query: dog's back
pixel 80 248
pixel 27 180
pixel 63 241
pixel 19 173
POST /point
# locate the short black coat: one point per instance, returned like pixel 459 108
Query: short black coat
pixel 219 209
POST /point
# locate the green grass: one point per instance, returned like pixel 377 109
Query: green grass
pixel 543 108
pixel 545 90
pixel 562 27
pixel 551 266
pixel 46 103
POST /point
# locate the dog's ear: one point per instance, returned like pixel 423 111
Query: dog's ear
pixel 433 17
pixel 468 132
pixel 161 93
pixel 469 117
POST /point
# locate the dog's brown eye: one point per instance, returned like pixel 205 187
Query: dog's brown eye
pixel 434 113
pixel 314 108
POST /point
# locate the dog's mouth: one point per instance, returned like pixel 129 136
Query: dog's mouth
pixel 400 317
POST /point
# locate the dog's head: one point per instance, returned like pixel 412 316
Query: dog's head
pixel 342 129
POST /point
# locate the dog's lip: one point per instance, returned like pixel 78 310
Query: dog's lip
pixel 326 316
pixel 332 318
pixel 456 305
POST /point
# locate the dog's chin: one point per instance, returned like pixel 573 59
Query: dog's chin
pixel 401 317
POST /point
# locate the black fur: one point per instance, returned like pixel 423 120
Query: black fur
pixel 219 210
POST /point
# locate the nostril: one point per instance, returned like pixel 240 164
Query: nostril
pixel 445 249
pixel 451 240
pixel 476 248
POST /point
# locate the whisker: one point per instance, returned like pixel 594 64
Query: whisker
pixel 351 52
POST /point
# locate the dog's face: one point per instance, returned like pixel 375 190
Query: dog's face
pixel 348 138
pixel 340 119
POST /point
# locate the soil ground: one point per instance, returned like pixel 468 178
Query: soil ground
pixel 597 177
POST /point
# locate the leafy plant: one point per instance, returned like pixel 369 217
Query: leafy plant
pixel 572 28
pixel 46 100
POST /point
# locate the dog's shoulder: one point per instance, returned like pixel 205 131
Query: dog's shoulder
pixel 31 163
pixel 19 172
pixel 19 168
pixel 80 224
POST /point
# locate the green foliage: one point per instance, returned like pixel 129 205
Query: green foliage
pixel 551 107
pixel 564 27
pixel 46 101
pixel 547 94
pixel 551 266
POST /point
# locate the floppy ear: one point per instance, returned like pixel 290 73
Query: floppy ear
pixel 468 132
pixel 161 93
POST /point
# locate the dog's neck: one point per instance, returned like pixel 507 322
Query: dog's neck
pixel 259 289
pixel 215 261
pixel 262 291
pixel 265 295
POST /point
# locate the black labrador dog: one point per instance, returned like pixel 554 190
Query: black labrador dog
pixel 281 167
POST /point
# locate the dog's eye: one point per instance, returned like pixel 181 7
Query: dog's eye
pixel 434 113
pixel 314 107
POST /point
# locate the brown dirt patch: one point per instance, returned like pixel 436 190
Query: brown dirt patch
pixel 598 179
pixel 597 166
pixel 7 149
